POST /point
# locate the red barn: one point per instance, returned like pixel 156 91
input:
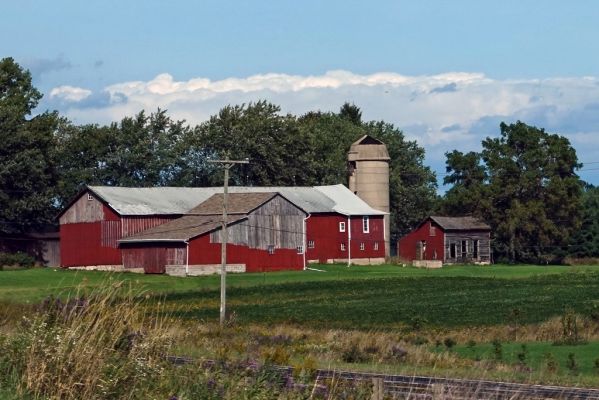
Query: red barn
pixel 192 244
pixel 448 239
pixel 98 217
pixel 156 228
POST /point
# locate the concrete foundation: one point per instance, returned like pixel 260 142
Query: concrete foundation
pixel 200 270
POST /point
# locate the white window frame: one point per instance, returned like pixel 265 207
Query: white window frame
pixel 432 230
pixel 366 224
pixel 362 246
pixel 90 197
pixel 311 244
pixel 343 248
pixel 300 249
pixel 341 226
pixel 271 249
pixel 376 245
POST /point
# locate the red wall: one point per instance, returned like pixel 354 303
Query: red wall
pixel 81 245
pixel 201 251
pixel 323 229
pixel 96 243
pixel 407 245
pixel 153 257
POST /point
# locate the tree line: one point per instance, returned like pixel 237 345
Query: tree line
pixel 523 183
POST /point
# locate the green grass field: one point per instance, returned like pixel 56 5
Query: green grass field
pixel 538 355
pixel 32 285
pixel 392 303
pixel 380 297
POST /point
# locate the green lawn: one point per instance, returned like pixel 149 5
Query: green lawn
pixel 538 355
pixel 381 297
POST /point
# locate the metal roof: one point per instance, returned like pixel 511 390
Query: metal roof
pixel 180 200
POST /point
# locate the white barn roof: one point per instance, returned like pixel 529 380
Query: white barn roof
pixel 179 200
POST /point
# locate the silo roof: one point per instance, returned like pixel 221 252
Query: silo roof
pixel 368 148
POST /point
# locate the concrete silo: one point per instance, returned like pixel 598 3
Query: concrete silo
pixel 368 161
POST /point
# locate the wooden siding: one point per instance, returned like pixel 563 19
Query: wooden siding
pixel 323 231
pixel 83 210
pixel 154 258
pixel 468 256
pixel 204 252
pixel 278 222
pixel 130 225
pixel 90 231
pixel 424 243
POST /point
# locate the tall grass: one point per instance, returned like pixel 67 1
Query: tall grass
pixel 99 345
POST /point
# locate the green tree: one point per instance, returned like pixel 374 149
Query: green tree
pixel 329 137
pixel 83 152
pixel 28 174
pixel 524 185
pixel 351 112
pixel 585 242
pixel 468 195
pixel 272 142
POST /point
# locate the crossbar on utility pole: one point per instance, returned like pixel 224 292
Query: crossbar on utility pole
pixel 227 164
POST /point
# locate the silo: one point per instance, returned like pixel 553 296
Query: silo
pixel 368 162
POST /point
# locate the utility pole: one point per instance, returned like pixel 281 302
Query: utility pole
pixel 227 164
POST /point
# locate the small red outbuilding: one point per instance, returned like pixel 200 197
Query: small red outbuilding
pixel 450 240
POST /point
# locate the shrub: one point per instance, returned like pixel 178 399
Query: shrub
pixel 570 334
pixel 449 343
pixel 18 259
pixel 353 354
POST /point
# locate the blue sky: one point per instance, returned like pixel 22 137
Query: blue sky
pixel 446 72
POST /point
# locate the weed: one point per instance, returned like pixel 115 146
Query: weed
pixel 570 330
pixel 551 364
pixel 522 355
pixel 353 354
pixel 497 350
pixel 449 343
pixel 571 364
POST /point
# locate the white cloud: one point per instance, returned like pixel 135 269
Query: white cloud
pixel 470 103
pixel 70 93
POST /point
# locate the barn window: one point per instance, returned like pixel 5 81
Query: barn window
pixel 366 224
pixel 432 230
pixel 271 249
pixel 452 250
pixel 300 249
pixel 310 244
pixel 341 226
pixel 464 248
pixel 475 249
pixel 89 197
pixel 376 245
pixel 362 246
pixel 342 246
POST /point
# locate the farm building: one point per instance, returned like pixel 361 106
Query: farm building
pixel 43 245
pixel 152 229
pixel 449 240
